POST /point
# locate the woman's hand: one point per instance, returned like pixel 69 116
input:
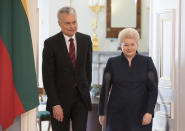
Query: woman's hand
pixel 101 120
pixel 147 118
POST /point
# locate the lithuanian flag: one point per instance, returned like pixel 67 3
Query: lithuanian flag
pixel 18 85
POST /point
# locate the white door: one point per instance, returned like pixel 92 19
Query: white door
pixel 163 47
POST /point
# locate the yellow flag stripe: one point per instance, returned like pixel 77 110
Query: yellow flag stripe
pixel 25 6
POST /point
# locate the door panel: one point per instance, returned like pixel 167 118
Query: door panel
pixel 162 50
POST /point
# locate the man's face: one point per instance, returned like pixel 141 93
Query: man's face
pixel 68 23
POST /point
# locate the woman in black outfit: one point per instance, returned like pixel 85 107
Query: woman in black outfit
pixel 131 84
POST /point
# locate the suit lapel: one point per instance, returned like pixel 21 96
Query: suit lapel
pixel 78 41
pixel 64 49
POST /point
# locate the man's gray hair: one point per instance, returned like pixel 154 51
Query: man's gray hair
pixel 128 33
pixel 67 10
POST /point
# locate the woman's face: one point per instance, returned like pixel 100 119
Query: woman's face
pixel 129 47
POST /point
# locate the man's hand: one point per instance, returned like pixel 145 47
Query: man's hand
pixel 101 120
pixel 147 118
pixel 58 113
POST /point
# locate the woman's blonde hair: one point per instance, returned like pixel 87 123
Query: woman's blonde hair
pixel 128 33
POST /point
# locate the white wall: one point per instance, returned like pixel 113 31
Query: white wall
pixel 43 32
pixel 85 21
pixel 181 97
pixel 144 42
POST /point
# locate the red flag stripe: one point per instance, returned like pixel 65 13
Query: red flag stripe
pixel 11 105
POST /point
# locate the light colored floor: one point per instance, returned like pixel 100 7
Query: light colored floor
pixel 44 126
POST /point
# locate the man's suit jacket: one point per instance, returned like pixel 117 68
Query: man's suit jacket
pixel 59 76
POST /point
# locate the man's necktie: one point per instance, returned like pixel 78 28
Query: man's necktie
pixel 72 52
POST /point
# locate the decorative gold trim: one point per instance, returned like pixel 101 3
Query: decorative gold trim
pixel 96 8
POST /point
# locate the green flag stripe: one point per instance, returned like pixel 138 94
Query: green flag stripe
pixel 15 32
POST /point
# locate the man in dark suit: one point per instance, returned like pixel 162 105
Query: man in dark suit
pixel 67 68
